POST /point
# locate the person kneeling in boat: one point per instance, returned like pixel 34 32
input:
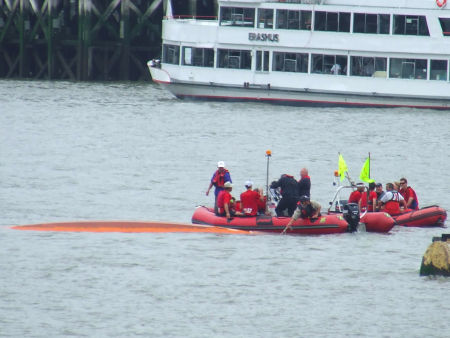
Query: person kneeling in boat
pixel 305 209
pixel 224 202
pixel 391 200
pixel 250 199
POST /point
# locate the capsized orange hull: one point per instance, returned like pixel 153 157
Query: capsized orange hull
pixel 425 217
pixel 126 226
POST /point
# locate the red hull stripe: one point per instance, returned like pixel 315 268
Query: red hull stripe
pixel 304 102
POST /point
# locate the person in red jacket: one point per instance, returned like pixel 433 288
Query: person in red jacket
pixel 368 199
pixel 249 200
pixel 218 179
pixel 355 196
pixel 408 194
pixel 224 201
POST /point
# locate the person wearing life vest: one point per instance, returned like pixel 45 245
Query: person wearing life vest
pixel 391 200
pixel 379 191
pixel 218 179
pixel 289 197
pixel 368 199
pixel 408 194
pixel 304 184
pixel 306 209
pixel 249 200
pixel 224 202
pixel 355 196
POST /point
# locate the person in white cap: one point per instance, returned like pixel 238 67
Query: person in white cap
pixel 250 199
pixel 219 178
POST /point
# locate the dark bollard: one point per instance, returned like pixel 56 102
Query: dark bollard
pixel 436 260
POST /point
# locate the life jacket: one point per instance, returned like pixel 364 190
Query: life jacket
pixel 305 211
pixel 363 200
pixel 392 207
pixel 372 196
pixel 219 178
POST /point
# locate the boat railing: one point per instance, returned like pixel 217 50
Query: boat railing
pixel 190 17
pixel 308 2
pixel 337 202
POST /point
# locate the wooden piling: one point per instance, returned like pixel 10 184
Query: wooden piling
pixel 436 260
pixel 79 39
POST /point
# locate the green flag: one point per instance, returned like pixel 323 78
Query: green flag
pixel 342 167
pixel 365 172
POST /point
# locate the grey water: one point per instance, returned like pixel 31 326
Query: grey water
pixel 131 151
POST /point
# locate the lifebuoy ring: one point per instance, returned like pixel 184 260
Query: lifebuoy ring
pixel 441 3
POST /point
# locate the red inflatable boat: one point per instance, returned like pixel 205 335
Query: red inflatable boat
pixel 425 217
pixel 327 224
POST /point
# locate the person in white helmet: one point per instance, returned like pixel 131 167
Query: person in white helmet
pixel 218 180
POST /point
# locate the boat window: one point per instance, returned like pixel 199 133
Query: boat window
pixel 445 25
pixel 199 57
pixel 368 66
pixel 410 25
pixel 265 18
pixel 408 68
pixel 329 64
pixel 262 61
pixel 332 21
pixel 171 54
pixel 290 62
pixel 371 23
pixel 293 19
pixel 231 58
pixel 438 70
pixel 237 16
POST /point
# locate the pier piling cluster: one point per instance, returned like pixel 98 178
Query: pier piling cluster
pixel 79 39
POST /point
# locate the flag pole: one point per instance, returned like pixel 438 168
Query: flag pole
pixel 268 154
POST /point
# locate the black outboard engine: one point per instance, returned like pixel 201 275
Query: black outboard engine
pixel 351 215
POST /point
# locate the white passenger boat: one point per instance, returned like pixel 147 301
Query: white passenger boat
pixel 378 53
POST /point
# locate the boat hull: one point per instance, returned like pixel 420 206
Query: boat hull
pixel 294 97
pixel 425 217
pixel 326 224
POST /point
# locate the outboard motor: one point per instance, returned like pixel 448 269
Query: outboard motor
pixel 351 215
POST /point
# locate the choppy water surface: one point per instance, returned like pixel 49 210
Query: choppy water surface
pixel 71 151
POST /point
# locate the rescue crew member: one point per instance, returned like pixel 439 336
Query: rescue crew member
pixel 304 184
pixel 408 194
pixel 371 195
pixel 249 200
pixel 305 209
pixel 355 196
pixel 289 196
pixel 224 202
pixel 220 176
pixel 379 191
pixel 392 200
